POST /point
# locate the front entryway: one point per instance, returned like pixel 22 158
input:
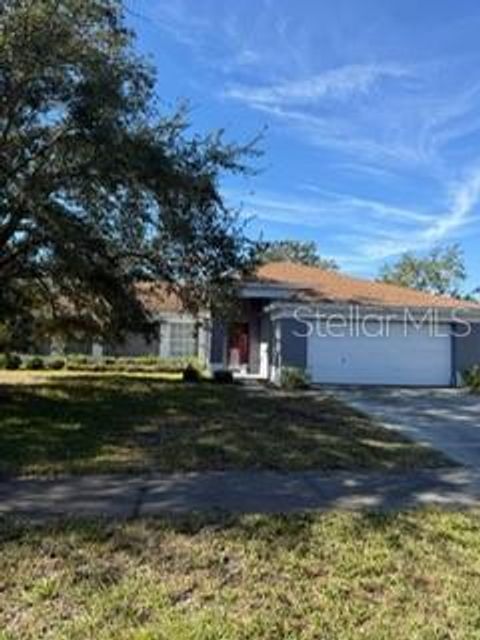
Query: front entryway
pixel 238 346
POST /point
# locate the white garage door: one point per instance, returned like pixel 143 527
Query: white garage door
pixel 400 357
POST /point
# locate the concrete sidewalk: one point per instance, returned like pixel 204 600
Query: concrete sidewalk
pixel 241 492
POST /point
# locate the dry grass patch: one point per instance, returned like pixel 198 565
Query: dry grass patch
pixel 407 576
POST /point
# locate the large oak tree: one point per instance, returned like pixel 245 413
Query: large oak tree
pixel 99 188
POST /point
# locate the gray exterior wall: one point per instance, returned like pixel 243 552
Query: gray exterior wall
pixel 78 347
pixel 293 344
pixel 135 345
pixel 467 350
pixel 217 342
pixel 42 347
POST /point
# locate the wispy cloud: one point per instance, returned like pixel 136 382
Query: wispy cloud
pixel 337 84
pixel 282 208
pixel 357 137
pixel 462 210
pixel 393 114
pixel 375 208
pixel 378 173
pixel 323 208
pixel 386 231
pixel 175 18
pixel 465 198
pixel 214 31
pixel 386 117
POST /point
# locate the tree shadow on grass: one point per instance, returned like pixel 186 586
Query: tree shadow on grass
pixel 113 423
pixel 275 531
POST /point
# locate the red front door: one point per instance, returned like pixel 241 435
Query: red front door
pixel 238 344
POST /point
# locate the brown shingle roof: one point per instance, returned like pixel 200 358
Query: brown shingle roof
pixel 156 297
pixel 322 285
pixel 318 285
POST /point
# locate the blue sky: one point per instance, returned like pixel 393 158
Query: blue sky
pixel 372 109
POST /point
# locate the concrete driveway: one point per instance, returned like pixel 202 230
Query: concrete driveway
pixel 447 419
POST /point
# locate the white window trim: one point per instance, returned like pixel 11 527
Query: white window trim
pixel 184 322
pixel 202 338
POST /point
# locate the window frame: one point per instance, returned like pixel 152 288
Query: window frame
pixel 189 341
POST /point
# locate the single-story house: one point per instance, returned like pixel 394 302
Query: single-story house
pixel 339 329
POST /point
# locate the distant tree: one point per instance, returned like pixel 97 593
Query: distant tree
pixel 442 271
pixel 293 251
pixel 98 188
pixel 474 296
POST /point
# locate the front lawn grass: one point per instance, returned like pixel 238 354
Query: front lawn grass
pixel 408 576
pixel 55 424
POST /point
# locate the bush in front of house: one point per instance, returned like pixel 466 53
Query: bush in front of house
pixel 56 364
pixel 292 378
pixel 152 364
pixel 35 363
pixel 191 374
pixel 223 376
pixel 88 363
pixel 98 366
pixel 78 362
pixel 472 378
pixel 140 364
pixel 10 361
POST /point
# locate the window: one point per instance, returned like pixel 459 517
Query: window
pixel 183 340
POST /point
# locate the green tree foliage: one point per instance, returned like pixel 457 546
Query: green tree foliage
pixel 293 251
pixel 99 188
pixel 442 271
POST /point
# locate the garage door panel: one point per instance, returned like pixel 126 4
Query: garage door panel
pixel 415 358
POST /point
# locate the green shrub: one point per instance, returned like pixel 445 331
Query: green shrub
pixel 294 378
pixel 155 364
pixel 144 364
pixel 10 361
pixel 35 363
pixel 191 374
pixel 98 366
pixel 78 362
pixel 56 364
pixel 472 378
pixel 223 376
pixel 14 362
pixel 147 361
